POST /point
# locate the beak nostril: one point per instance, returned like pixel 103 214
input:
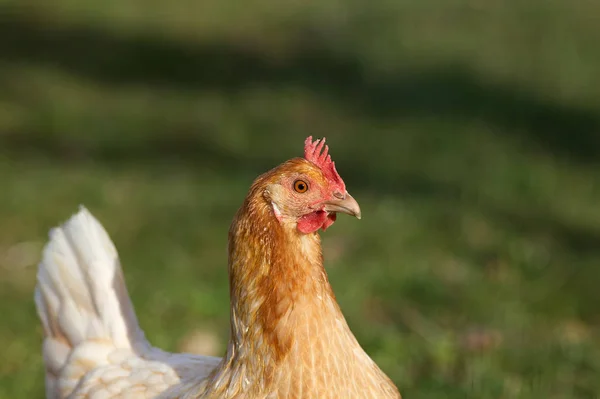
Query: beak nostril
pixel 339 195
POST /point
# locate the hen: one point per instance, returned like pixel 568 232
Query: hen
pixel 288 336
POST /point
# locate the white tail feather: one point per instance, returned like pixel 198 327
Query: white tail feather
pixel 81 294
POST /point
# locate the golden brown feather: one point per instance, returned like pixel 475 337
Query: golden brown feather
pixel 289 338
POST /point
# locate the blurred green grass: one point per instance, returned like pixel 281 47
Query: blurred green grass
pixel 467 130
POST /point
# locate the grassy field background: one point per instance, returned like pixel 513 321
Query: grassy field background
pixel 469 132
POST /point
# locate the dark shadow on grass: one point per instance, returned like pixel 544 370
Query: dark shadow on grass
pixel 446 91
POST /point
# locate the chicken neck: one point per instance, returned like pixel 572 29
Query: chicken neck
pixel 286 326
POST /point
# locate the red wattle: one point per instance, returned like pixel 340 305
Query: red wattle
pixel 315 220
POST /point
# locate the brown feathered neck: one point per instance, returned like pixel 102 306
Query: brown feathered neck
pixel 272 267
pixel 287 330
pixel 274 270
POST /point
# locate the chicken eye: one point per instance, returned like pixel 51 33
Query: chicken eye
pixel 300 186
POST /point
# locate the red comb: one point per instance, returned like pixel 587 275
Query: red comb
pixel 314 152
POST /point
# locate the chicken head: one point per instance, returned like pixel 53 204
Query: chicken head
pixel 307 193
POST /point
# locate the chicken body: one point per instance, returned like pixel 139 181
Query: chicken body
pixel 288 339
